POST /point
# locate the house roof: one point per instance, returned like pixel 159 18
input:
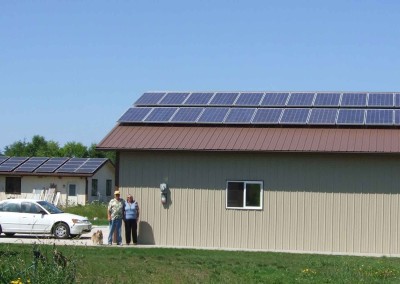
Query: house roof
pixel 267 139
pixel 345 122
pixel 60 166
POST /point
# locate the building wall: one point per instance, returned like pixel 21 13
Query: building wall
pixel 107 172
pixel 28 183
pixel 331 203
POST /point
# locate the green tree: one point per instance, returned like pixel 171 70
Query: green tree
pixel 74 150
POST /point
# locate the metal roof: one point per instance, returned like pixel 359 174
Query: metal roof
pixel 237 139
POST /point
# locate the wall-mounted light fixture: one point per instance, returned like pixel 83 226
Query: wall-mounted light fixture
pixel 164 189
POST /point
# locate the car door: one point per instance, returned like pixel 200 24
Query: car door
pixel 34 219
pixel 9 217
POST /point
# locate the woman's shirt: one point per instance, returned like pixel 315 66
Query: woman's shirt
pixel 131 210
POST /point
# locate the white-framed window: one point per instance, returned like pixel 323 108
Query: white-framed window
pixel 72 189
pixel 244 194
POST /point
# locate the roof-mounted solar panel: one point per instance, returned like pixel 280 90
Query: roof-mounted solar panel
pixel 173 98
pixel 187 114
pixel 198 99
pixel 135 114
pixel 2 159
pixel 379 117
pixel 354 100
pixel 327 99
pixel 12 163
pixel 249 99
pixel 226 99
pixel 267 116
pixel 213 115
pixel 51 165
pixel 149 99
pixel 396 116
pixel 397 100
pixel 31 164
pixel 295 116
pixel 161 114
pixel 240 115
pixel 351 116
pixel 275 99
pixel 380 100
pixel 301 99
pixel 323 116
pixel 91 165
pixel 72 165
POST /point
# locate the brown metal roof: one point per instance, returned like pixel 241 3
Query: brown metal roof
pixel 199 138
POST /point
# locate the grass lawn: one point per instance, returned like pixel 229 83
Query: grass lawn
pixel 155 265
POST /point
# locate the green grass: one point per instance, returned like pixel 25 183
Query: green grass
pixel 94 211
pixel 156 265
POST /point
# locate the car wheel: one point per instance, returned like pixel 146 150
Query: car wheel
pixel 9 234
pixel 61 231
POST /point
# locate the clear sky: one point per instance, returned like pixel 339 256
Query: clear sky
pixel 70 69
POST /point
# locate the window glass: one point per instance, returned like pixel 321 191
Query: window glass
pixel 108 187
pixel 94 187
pixel 72 190
pixel 12 207
pixel 244 194
pixel 13 185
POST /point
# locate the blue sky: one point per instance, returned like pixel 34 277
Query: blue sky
pixel 70 69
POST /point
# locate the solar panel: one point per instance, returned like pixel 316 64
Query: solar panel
pixel 301 99
pixel 397 116
pixel 198 99
pixel 51 165
pixel 378 100
pixel 135 114
pixel 161 114
pixel 327 99
pixel 249 99
pixel 3 158
pixel 31 164
pixel 397 100
pixel 295 116
pixel 149 98
pixel 224 99
pixel 354 99
pixel 379 117
pixel 187 114
pixel 10 164
pixel 275 99
pixel 322 116
pixel 174 98
pixel 267 116
pixel 213 115
pixel 72 165
pixel 91 165
pixel 240 115
pixel 351 116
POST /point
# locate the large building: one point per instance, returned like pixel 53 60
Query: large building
pixel 287 171
pixel 76 180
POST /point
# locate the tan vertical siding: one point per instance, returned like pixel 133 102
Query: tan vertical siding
pixel 311 202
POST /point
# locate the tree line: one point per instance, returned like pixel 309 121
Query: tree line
pixel 40 147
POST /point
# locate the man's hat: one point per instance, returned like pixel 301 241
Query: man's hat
pixel 117 192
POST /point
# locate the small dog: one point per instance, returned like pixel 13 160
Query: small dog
pixel 97 238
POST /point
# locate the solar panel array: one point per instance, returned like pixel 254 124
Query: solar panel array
pixel 297 108
pixel 51 165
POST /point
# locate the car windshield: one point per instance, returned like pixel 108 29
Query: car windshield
pixel 50 207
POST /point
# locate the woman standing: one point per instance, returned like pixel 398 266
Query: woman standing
pixel 131 219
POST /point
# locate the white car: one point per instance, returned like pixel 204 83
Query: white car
pixel 28 216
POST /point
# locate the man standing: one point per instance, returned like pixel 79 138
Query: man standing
pixel 115 212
